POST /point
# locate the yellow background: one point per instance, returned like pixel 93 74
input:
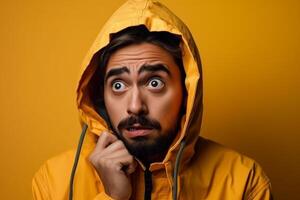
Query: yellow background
pixel 251 57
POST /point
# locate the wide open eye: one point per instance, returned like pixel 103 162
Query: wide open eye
pixel 118 86
pixel 155 83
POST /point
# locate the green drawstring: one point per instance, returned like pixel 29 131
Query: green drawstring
pixel 84 128
pixel 175 174
pixel 176 169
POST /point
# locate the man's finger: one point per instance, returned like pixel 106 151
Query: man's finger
pixel 104 140
pixel 114 154
pixel 113 148
pixel 131 168
pixel 125 161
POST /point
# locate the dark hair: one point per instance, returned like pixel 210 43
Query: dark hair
pixel 128 36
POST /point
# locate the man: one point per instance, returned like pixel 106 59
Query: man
pixel 140 102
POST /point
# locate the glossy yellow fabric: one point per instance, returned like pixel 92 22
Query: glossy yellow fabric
pixel 207 170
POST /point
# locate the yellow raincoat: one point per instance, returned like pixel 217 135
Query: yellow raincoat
pixel 205 170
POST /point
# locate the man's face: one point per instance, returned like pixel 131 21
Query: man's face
pixel 143 97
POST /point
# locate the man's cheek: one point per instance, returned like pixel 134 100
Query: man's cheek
pixel 162 111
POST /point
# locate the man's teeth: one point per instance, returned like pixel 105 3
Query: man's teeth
pixel 136 128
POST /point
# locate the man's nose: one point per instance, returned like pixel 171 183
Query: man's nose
pixel 136 104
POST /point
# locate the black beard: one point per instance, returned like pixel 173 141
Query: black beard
pixel 145 149
pixel 148 150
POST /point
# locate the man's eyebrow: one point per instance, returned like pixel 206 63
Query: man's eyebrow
pixel 154 68
pixel 116 71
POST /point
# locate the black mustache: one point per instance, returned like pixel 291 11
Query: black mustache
pixel 142 120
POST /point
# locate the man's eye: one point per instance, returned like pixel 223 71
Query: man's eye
pixel 155 83
pixel 118 86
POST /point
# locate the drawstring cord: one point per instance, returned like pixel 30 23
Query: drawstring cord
pixel 84 128
pixel 175 173
pixel 176 169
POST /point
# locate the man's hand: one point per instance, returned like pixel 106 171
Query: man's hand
pixel 114 164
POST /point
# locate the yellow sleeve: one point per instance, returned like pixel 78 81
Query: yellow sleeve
pixel 259 185
pixel 40 189
pixel 264 193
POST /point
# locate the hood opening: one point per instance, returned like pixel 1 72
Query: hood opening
pixel 156 18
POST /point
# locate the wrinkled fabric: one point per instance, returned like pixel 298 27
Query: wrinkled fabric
pixel 207 170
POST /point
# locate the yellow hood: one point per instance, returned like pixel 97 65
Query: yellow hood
pixel 156 17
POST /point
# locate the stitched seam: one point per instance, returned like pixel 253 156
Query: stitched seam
pixel 146 5
pixel 255 192
pixel 42 183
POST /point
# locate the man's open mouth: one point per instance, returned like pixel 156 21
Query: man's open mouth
pixel 137 131
pixel 135 128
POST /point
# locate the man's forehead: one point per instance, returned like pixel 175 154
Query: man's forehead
pixel 139 54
